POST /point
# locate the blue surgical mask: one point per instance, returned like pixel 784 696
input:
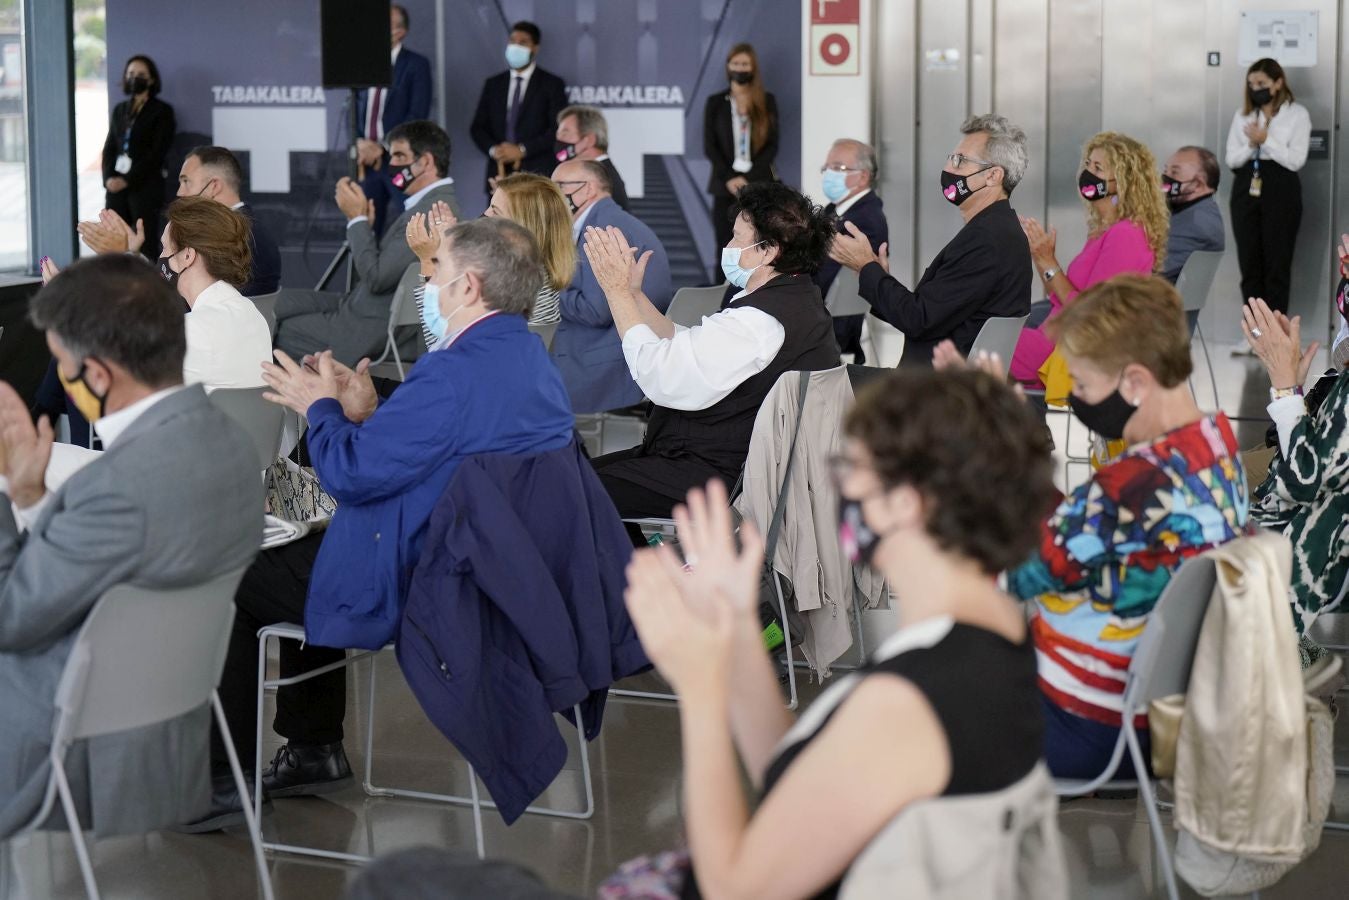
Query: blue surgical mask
pixel 436 323
pixel 730 265
pixel 835 185
pixel 517 56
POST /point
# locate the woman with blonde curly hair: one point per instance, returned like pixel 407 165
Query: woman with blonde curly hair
pixel 1127 223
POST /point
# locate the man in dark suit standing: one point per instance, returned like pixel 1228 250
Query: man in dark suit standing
pixel 516 118
pixel 583 133
pixel 849 174
pixel 381 110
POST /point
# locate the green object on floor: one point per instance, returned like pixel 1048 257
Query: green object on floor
pixel 772 636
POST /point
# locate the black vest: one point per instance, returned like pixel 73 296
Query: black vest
pixel 718 437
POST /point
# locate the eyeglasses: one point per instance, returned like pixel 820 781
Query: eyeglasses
pixel 957 160
pixel 563 184
pixel 837 167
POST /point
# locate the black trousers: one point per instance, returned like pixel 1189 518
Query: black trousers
pixel 848 336
pixel 632 500
pixel 1266 231
pixel 311 712
pixel 142 203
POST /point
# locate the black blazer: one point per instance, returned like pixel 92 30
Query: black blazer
pixel 719 145
pixel 536 129
pixel 407 99
pixel 868 214
pixel 152 133
pixel 617 189
pixel 265 272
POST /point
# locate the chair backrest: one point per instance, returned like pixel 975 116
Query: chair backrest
pixel 999 335
pixel 545 333
pixel 266 304
pixel 145 656
pixel 692 304
pixel 843 298
pixel 262 419
pixel 1165 651
pixel 1196 278
pixel 402 309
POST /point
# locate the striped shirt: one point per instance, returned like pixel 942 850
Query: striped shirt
pixel 547 309
pixel 1109 549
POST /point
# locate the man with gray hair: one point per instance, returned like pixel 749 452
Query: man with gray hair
pixel 848 177
pixel 583 133
pixel 983 273
pixel 487 386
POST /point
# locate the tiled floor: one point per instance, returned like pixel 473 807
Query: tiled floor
pixel 636 774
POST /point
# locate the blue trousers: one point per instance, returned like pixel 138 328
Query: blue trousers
pixel 1080 748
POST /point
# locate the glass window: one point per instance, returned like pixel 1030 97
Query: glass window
pixel 91 107
pixel 14 237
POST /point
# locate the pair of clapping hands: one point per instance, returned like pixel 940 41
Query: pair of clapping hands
pixel 299 385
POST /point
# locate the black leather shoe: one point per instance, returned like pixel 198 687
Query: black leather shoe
pixel 303 771
pixel 226 810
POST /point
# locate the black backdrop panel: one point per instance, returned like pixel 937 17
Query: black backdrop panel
pixel 355 43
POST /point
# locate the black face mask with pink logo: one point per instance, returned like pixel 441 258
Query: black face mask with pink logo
pixel 955 189
pixel 1091 186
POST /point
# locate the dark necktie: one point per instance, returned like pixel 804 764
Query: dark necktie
pixel 513 113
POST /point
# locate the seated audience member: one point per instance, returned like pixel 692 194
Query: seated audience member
pixel 586 348
pixel 984 272
pixel 1190 181
pixel 1127 223
pixel 174 500
pixel 486 387
pixel 940 481
pixel 213 173
pixel 582 133
pixel 537 204
pixel 849 176
pixel 1109 549
pixel 205 247
pixel 708 382
pixel 1303 496
pixel 355 324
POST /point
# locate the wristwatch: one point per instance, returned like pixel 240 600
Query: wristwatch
pixel 1049 275
pixel 1280 393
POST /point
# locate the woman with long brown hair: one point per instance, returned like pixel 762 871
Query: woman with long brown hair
pixel 740 137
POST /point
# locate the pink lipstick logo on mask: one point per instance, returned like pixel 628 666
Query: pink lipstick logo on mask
pixel 950 192
pixel 1089 192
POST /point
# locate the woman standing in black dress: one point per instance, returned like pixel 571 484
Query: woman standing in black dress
pixel 139 136
pixel 740 139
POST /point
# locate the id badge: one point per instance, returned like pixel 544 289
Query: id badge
pixel 123 164
pixel 1256 184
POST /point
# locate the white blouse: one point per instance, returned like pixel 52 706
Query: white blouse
pixel 1286 143
pixel 227 340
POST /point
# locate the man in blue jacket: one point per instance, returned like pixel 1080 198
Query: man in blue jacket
pixel 586 347
pixel 487 386
pixel 380 110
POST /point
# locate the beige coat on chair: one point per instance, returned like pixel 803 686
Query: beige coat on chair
pixel 808 551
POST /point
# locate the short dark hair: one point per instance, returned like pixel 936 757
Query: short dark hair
pixel 402 11
pixel 424 136
pixel 505 258
pixel 530 29
pixel 224 162
pixel 154 72
pixel 975 451
pixel 117 309
pixel 800 230
pixel 1208 164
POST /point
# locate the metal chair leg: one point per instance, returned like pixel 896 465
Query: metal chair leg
pixel 1149 795
pixel 1208 361
pixel 76 829
pixel 241 785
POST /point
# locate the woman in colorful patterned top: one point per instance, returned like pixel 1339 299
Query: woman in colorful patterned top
pixel 1109 549
pixel 1306 494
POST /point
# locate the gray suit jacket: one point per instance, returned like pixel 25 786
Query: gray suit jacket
pixel 176 500
pixel 1198 226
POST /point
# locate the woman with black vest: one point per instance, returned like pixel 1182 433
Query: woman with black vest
pixel 708 382
pixel 139 137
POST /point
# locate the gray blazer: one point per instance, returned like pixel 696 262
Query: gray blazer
pixel 175 500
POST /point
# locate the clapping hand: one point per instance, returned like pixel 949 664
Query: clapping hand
pixel 296 387
pixel 351 200
pixel 853 249
pixel 25 448
pixel 1042 243
pixel 613 262
pixel 111 234
pixel 355 390
pixel 421 239
pixel 1256 133
pixel 1277 342
pixel 48 269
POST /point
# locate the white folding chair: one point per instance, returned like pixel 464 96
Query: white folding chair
pixel 545 331
pixel 693 304
pixel 292 632
pixel 144 657
pixel 999 335
pixel 844 299
pixel 262 419
pixel 403 312
pixel 266 304
pixel 1194 285
pixel 1160 667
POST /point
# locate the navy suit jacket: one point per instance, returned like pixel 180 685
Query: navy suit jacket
pixel 265 274
pixel 408 100
pixel 868 214
pixel 586 346
pixel 536 129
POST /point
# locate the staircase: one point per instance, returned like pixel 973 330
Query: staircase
pixel 660 211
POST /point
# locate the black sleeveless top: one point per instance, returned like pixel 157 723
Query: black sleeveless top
pixel 982 689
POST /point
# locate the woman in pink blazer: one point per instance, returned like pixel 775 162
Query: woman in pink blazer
pixel 1128 222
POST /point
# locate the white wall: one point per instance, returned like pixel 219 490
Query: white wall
pixel 832 106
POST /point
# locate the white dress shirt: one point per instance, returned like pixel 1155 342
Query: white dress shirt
pixel 383 94
pixel 742 131
pixel 227 340
pixel 702 365
pixel 524 75
pixel 1286 143
pixel 846 205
